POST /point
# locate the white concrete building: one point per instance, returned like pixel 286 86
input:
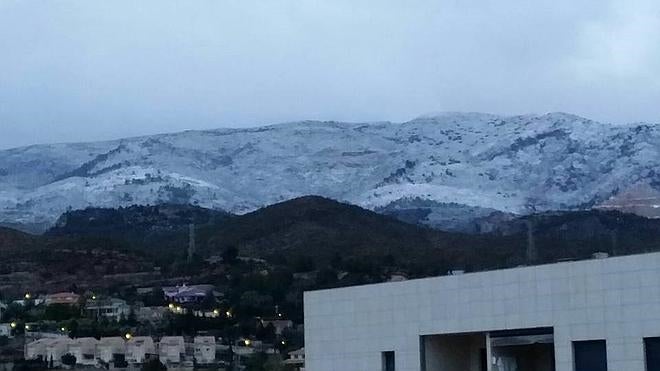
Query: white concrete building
pixel 204 349
pixel 170 349
pixel 574 316
pixel 109 346
pixel 138 347
pixel 84 349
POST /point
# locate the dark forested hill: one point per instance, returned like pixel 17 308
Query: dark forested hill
pixel 320 229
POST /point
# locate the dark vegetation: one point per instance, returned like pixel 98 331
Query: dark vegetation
pixel 266 259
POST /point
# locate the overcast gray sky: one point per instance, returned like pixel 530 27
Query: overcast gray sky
pixel 81 70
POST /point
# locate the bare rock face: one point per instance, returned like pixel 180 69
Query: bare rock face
pixel 509 164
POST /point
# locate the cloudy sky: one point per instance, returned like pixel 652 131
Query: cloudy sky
pixel 89 69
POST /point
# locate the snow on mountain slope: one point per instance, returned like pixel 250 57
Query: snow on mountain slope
pixel 514 164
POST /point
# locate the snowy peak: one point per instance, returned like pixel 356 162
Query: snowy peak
pixel 513 164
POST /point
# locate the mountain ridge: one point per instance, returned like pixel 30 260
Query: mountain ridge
pixel 512 164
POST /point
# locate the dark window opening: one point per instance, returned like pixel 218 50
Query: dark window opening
pixel 590 355
pixel 652 350
pixel 388 361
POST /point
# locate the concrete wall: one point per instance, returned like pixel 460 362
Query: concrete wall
pixel 617 299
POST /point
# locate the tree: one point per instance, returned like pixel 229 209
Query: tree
pixel 153 365
pixel 69 359
pixel 230 255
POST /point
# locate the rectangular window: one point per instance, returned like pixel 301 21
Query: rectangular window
pixel 590 355
pixel 388 361
pixel 652 350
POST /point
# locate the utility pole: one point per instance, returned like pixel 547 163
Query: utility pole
pixel 191 242
pixel 531 245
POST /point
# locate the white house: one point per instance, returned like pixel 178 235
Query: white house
pixel 170 349
pixel 204 349
pixel 48 349
pixel 84 349
pixel 592 315
pixel 109 346
pixel 137 349
pixel 113 309
pixel 296 359
pixel 5 329
pixel 56 348
pixel 36 349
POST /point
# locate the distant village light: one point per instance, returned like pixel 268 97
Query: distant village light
pixel 62 329
pixel 13 325
pixel 247 342
pixel 228 314
pixel 128 336
pixel 171 306
pixel 27 296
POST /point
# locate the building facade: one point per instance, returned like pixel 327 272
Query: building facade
pixel 112 309
pixel 204 349
pixel 171 349
pixel 592 315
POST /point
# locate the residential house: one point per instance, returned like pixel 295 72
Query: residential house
pixel 36 349
pixel 5 329
pixel 113 309
pixel 84 349
pixel 170 349
pixel 279 325
pixel 187 294
pixel 151 314
pixel 204 349
pixel 48 349
pixel 110 348
pixel 65 298
pixel 296 359
pixel 139 348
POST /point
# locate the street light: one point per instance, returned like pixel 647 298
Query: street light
pixel 27 296
pixel 247 342
pixel 128 336
pixel 13 325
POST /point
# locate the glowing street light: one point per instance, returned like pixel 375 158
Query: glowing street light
pixel 27 327
pixel 27 296
pixel 228 314
pixel 128 336
pixel 247 342
pixel 62 329
pixel 13 325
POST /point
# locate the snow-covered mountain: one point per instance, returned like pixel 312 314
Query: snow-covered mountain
pixel 514 164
